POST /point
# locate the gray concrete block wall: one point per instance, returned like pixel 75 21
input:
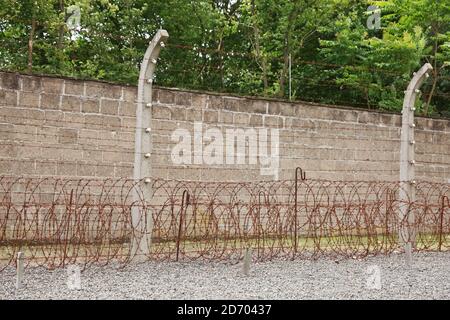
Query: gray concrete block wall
pixel 62 127
pixel 328 142
pixel 73 128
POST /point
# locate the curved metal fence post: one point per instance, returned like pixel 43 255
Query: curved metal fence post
pixel 141 221
pixel 407 191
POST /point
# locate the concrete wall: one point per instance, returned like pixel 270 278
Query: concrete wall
pixel 65 127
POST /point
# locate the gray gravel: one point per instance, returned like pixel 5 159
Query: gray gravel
pixel 428 278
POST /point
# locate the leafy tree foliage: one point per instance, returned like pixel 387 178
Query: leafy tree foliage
pixel 242 46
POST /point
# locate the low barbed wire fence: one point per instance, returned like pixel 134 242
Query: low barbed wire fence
pixel 57 222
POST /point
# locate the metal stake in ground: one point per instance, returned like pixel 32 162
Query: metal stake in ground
pixel 247 261
pixel 407 162
pixel 19 276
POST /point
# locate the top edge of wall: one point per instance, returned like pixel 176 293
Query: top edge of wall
pixel 221 94
pixel 55 76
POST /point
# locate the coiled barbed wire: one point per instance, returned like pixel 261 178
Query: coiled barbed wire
pixel 56 222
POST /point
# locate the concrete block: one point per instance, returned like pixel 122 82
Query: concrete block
pixel 109 106
pixel 31 84
pixel 161 112
pixel 166 96
pixel 10 80
pixel 70 103
pixel 75 88
pixel 127 109
pixel 210 116
pixel 29 99
pixel 90 105
pixel 8 97
pixel 178 114
pixel 241 119
pixel 50 101
pixel 68 136
pixel 273 121
pixel 183 99
pixel 52 85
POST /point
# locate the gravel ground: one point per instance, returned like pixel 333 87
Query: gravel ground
pixel 428 278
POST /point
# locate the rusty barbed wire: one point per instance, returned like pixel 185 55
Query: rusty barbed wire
pixel 57 222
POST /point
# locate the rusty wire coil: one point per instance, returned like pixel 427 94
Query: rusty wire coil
pixel 57 222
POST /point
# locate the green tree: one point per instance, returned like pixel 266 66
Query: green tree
pixel 433 17
pixel 377 66
pixel 241 46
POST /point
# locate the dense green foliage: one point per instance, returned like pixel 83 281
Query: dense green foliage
pixel 242 46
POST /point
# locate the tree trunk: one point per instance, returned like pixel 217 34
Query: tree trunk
pixel 258 50
pixel 30 44
pixel 366 93
pixel 433 88
pixel 61 27
pixel 220 63
pixel 284 71
pixel 435 79
pixel 287 49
